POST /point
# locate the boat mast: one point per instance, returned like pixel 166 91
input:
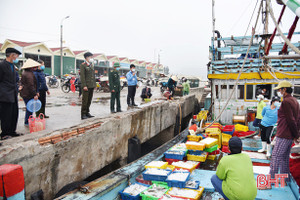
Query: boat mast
pixel 265 16
pixel 213 28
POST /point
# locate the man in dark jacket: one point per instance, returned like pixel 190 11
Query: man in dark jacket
pixel 9 111
pixel 88 84
pixel 146 93
pixel 42 88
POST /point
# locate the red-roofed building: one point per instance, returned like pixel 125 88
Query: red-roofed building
pixel 68 60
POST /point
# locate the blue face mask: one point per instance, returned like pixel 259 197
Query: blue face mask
pixel 43 67
pixel 277 104
pixel 16 61
pixel 118 68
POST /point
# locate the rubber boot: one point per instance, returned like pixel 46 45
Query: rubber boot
pixel 269 149
pixel 264 144
pixel 43 111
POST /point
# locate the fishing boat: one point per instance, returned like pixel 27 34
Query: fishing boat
pixel 237 72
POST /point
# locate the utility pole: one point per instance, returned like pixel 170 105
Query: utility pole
pixel 61 46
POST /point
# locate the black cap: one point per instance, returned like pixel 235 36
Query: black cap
pixel 235 145
pixel 12 50
pixel 132 65
pixel 87 54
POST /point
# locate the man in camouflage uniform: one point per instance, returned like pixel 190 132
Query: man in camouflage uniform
pixel 115 88
pixel 88 83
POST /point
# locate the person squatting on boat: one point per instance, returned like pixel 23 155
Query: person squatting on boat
pixel 287 129
pixel 267 124
pixel 261 104
pixel 234 178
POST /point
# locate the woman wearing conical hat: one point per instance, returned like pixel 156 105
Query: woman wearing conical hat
pixel 28 86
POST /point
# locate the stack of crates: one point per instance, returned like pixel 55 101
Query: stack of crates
pixel 215 131
pixel 227 133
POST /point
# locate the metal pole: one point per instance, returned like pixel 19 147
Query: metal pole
pixel 61 46
pixel 266 30
pixel 213 28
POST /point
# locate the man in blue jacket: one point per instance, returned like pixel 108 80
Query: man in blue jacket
pixel 132 85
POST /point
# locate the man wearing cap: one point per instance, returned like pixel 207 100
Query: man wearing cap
pixel 115 88
pixel 287 129
pixel 9 111
pixel 88 84
pixel 234 178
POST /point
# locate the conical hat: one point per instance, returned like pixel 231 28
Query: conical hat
pixel 30 64
pixel 174 78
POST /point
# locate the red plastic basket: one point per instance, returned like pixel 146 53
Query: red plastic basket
pixel 170 161
pixel 225 149
pixel 140 179
pixel 37 123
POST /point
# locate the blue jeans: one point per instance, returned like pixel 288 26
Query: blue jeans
pixel 27 114
pixel 217 183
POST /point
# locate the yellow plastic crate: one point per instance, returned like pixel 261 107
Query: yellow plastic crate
pixel 211 157
pixel 147 100
pixel 185 168
pixel 198 146
pixel 199 191
pixel 201 158
pixel 212 130
pixel 171 167
pixel 239 127
pixel 209 142
pixel 217 136
pixel 195 138
pixel 152 165
pixel 202 115
pixel 225 139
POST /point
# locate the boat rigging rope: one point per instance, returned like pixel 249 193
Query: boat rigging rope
pixel 238 78
pixel 287 41
pixel 283 72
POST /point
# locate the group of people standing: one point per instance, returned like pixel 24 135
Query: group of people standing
pixel 287 117
pixel 32 86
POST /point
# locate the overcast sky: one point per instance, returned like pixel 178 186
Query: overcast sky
pixel 136 29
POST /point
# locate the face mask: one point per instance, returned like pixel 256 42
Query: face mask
pixel 118 68
pixel 91 60
pixel 277 104
pixel 16 61
pixel 279 94
pixel 133 70
pixel 258 99
pixel 43 67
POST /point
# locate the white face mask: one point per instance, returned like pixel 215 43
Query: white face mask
pixel 133 70
pixel 279 94
pixel 277 104
pixel 258 99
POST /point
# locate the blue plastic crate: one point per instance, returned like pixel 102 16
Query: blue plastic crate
pixel 126 196
pixel 200 134
pixel 179 184
pixel 195 152
pixel 151 177
pixel 170 155
pixel 196 186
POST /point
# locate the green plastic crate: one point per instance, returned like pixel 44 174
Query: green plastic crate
pixel 211 149
pixel 145 197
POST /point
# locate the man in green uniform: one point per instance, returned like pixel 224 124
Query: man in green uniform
pixel 115 88
pixel 88 83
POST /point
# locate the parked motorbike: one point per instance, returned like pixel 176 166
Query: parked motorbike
pixel 53 82
pixel 66 85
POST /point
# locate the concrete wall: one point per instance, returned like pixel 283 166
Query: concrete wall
pixel 50 167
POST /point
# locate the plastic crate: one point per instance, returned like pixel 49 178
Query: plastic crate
pixel 211 157
pixel 153 177
pixel 170 167
pixel 178 167
pixel 126 196
pixel 239 127
pixel 209 142
pixel 225 138
pixel 199 191
pixel 140 179
pixel 147 100
pixel 175 183
pixel 193 152
pixel 164 197
pixel 151 165
pixel 215 152
pixel 215 125
pixel 202 115
pixel 217 136
pixel 212 130
pixel 211 149
pixel 195 146
pixel 201 158
pixel 170 161
pixel 229 129
pixel 195 138
pixel 243 134
pixel 170 155
pixel 159 183
pixel 225 149
pixel 147 197
pixel 196 187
